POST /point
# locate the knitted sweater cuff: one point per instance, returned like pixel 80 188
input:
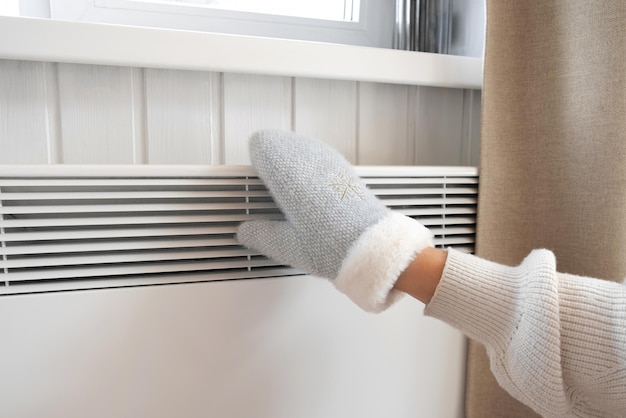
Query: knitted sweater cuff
pixel 486 300
pixel 555 341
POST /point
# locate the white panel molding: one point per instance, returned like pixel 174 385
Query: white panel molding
pixel 438 121
pixel 138 114
pixel 217 118
pixel 253 102
pixel 471 127
pixel 53 114
pixel 366 119
pixel 327 110
pixel 23 121
pixel 90 43
pixel 385 135
pixel 96 114
pixel 180 118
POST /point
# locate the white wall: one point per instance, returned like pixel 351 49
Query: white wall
pixel 69 113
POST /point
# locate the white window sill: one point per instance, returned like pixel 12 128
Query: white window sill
pixel 91 43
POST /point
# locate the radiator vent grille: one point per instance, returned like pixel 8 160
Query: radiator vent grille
pixel 83 227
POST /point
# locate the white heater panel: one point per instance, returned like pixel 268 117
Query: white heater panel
pixel 266 348
pixel 82 227
pixel 275 347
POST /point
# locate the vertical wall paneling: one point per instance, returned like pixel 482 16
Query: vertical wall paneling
pixel 327 110
pixel 23 103
pixel 53 116
pixel 217 118
pixel 253 102
pixel 139 122
pixel 470 147
pixel 439 126
pixel 67 113
pixel 179 109
pixel 96 114
pixel 385 134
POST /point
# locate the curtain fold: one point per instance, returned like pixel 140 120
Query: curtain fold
pixel 553 150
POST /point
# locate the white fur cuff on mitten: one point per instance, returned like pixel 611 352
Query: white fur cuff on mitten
pixel 378 257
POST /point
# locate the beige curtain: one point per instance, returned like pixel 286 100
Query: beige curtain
pixel 553 156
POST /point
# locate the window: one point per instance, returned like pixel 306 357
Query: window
pixel 353 22
pixel 342 10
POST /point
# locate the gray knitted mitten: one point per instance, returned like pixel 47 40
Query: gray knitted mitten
pixel 335 228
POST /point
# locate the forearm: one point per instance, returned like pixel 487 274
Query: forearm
pixel 421 277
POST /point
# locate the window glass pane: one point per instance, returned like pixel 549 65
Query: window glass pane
pixel 9 8
pixel 343 10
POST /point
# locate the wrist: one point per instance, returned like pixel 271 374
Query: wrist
pixel 421 277
pixel 372 266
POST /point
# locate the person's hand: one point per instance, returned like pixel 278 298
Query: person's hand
pixel 335 227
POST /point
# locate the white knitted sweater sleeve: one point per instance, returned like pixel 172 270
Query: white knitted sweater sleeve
pixel 556 342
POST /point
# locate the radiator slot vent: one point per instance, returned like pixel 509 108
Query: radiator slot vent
pixel 83 227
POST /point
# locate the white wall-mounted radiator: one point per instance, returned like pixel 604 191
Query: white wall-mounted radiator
pixel 77 227
pixel 120 345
